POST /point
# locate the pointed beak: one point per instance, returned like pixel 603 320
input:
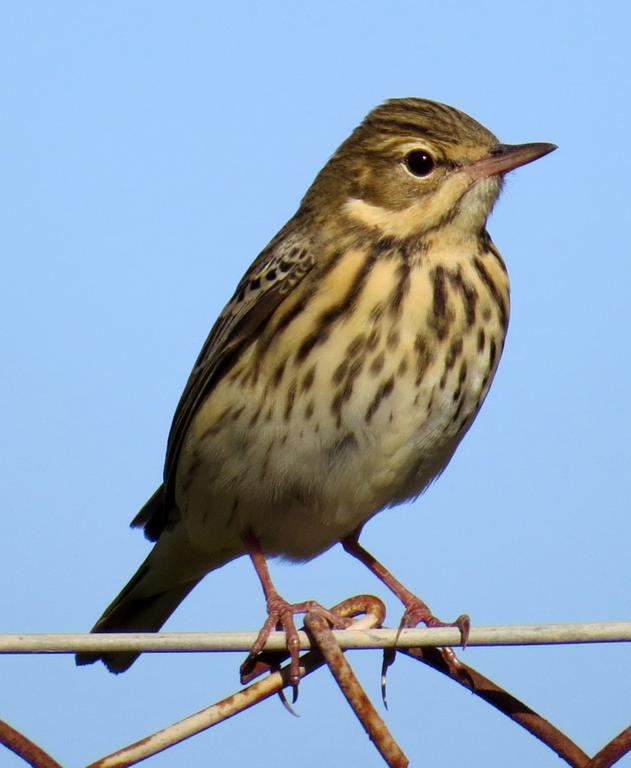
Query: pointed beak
pixel 507 157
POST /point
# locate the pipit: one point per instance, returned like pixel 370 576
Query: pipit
pixel 343 373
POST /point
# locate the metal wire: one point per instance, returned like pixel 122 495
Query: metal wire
pixel 529 634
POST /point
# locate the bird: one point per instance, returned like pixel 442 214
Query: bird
pixel 341 376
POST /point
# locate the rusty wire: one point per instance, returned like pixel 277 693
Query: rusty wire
pixel 23 747
pixel 329 652
pixel 271 684
pixel 359 702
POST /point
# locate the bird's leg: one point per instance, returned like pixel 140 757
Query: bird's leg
pixel 416 610
pixel 280 614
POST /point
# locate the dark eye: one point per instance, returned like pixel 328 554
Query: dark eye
pixel 419 163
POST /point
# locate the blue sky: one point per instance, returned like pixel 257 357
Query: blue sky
pixel 149 150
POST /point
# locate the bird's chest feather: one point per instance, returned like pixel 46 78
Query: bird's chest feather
pixel 355 405
pixel 406 375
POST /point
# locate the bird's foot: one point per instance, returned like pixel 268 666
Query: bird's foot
pixel 280 615
pixel 417 612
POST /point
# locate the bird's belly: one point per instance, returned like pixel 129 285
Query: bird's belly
pixel 304 451
pixel 302 483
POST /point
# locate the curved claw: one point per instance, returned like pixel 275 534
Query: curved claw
pixel 286 704
pixel 463 622
pixel 389 656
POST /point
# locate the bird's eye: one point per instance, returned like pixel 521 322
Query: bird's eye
pixel 419 162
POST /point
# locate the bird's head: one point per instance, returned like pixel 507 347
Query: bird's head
pixel 415 165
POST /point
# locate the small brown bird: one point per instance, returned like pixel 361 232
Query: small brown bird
pixel 343 373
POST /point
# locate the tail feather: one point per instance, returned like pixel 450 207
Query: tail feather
pixel 169 573
pixel 134 614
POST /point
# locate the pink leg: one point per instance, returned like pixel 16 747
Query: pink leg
pixel 416 610
pixel 280 614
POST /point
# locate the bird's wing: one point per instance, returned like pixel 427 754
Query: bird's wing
pixel 280 267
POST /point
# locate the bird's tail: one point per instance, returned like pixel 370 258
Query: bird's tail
pixel 168 574
pixel 134 614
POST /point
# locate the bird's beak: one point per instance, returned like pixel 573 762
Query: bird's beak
pixel 507 157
